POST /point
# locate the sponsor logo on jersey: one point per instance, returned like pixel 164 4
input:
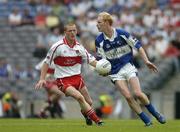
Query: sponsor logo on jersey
pixel 118 52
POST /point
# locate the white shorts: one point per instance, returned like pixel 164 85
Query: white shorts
pixel 125 73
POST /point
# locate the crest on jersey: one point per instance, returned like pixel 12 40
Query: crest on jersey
pixel 119 42
pixel 48 57
pixel 107 46
pixel 64 51
pixel 77 52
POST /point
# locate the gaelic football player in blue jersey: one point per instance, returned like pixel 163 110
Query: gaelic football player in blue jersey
pixel 116 46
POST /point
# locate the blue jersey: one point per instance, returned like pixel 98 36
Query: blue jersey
pixel 118 49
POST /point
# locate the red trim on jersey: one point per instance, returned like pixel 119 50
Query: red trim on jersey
pixel 70 45
pixel 54 52
pixel 50 71
pixel 67 61
pixel 87 57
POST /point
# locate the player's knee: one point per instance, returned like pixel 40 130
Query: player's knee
pixel 129 97
pixel 139 95
pixel 90 102
pixel 80 98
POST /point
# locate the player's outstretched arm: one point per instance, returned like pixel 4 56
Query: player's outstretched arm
pixel 42 80
pixel 150 65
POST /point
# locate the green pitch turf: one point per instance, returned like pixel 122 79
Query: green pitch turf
pixel 75 125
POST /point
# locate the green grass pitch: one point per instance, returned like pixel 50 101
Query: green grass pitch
pixel 75 125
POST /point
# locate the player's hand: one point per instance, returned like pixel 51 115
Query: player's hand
pixel 40 84
pixel 151 66
pixel 104 75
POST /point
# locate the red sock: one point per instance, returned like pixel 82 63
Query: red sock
pixel 92 115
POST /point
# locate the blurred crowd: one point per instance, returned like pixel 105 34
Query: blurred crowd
pixel 156 23
pixel 17 73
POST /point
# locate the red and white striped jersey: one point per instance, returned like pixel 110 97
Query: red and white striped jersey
pixel 67 59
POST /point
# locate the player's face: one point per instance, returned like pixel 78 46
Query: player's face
pixel 100 24
pixel 71 32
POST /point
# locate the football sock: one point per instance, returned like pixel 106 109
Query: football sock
pixel 152 110
pixel 144 118
pixel 92 115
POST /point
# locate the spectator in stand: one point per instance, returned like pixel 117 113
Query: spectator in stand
pixel 52 20
pixel 44 6
pixel 40 20
pixel 149 19
pixel 55 36
pixel 57 7
pixel 172 50
pixel 161 45
pixel 43 37
pixel 5 68
pixel 15 18
pixel 115 7
pixel 30 73
pixel 3 1
pixel 27 18
pixel 127 17
pixel 18 72
pixel 40 51
pixel 42 43
pixel 162 21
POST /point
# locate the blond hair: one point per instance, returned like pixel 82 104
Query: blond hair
pixel 106 17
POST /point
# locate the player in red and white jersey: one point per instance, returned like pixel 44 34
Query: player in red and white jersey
pixel 67 56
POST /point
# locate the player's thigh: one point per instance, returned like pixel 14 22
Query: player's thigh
pixel 135 84
pixel 123 87
pixel 85 93
pixel 56 91
pixel 73 92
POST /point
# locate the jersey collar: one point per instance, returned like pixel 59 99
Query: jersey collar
pixel 66 42
pixel 113 36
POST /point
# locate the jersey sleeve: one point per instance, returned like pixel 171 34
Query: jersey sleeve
pixel 86 55
pixel 50 56
pixel 99 51
pixel 131 40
